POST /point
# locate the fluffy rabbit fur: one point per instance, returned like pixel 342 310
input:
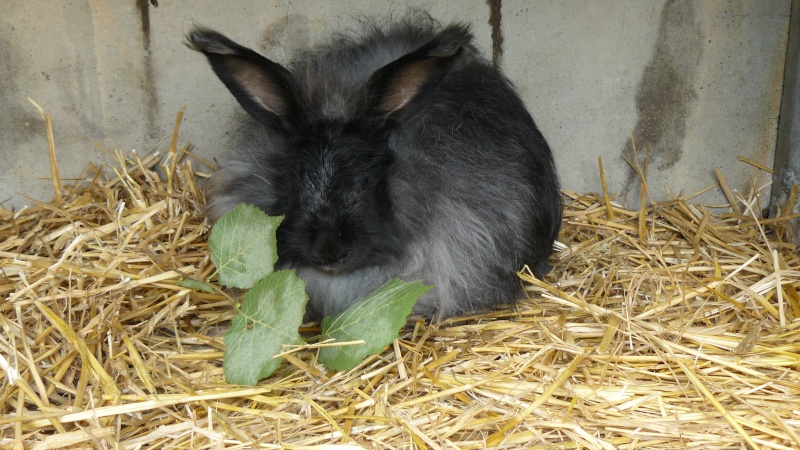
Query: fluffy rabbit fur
pixel 394 152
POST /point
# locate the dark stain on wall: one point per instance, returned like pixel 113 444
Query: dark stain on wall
pixel 151 98
pixel 666 92
pixel 495 20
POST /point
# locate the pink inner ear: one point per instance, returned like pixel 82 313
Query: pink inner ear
pixel 406 85
pixel 260 87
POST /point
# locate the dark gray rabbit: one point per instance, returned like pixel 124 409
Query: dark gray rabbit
pixel 396 152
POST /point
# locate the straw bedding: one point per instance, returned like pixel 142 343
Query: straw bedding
pixel 673 326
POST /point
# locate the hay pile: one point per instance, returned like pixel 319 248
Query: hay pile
pixel 669 327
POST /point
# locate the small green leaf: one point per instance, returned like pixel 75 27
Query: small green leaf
pixel 269 317
pixel 196 285
pixel 376 319
pixel 243 246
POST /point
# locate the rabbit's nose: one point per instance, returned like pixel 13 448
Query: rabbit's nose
pixel 327 255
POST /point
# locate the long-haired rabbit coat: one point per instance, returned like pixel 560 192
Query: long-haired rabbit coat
pixel 396 153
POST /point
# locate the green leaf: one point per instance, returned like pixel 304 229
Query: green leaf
pixel 269 317
pixel 196 285
pixel 243 246
pixel 376 319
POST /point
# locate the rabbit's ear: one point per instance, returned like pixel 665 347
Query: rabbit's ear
pixel 402 82
pixel 265 89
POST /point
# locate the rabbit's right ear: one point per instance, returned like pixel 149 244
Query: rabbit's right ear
pixel 265 89
pixel 405 82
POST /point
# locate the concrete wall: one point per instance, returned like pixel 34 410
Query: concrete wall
pixel 695 82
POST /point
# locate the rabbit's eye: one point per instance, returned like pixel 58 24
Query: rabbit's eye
pixel 364 186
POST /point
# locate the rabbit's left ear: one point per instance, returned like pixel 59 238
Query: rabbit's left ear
pixel 407 80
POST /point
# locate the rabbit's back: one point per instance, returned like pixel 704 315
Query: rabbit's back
pixel 473 186
pixel 476 182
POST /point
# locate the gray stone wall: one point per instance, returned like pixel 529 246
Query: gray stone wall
pixel 694 83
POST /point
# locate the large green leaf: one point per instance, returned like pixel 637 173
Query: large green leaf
pixel 269 317
pixel 376 319
pixel 243 246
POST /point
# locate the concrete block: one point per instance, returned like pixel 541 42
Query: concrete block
pixel 695 83
pixel 83 62
pixel 46 53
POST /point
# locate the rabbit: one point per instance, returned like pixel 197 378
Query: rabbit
pixel 393 152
